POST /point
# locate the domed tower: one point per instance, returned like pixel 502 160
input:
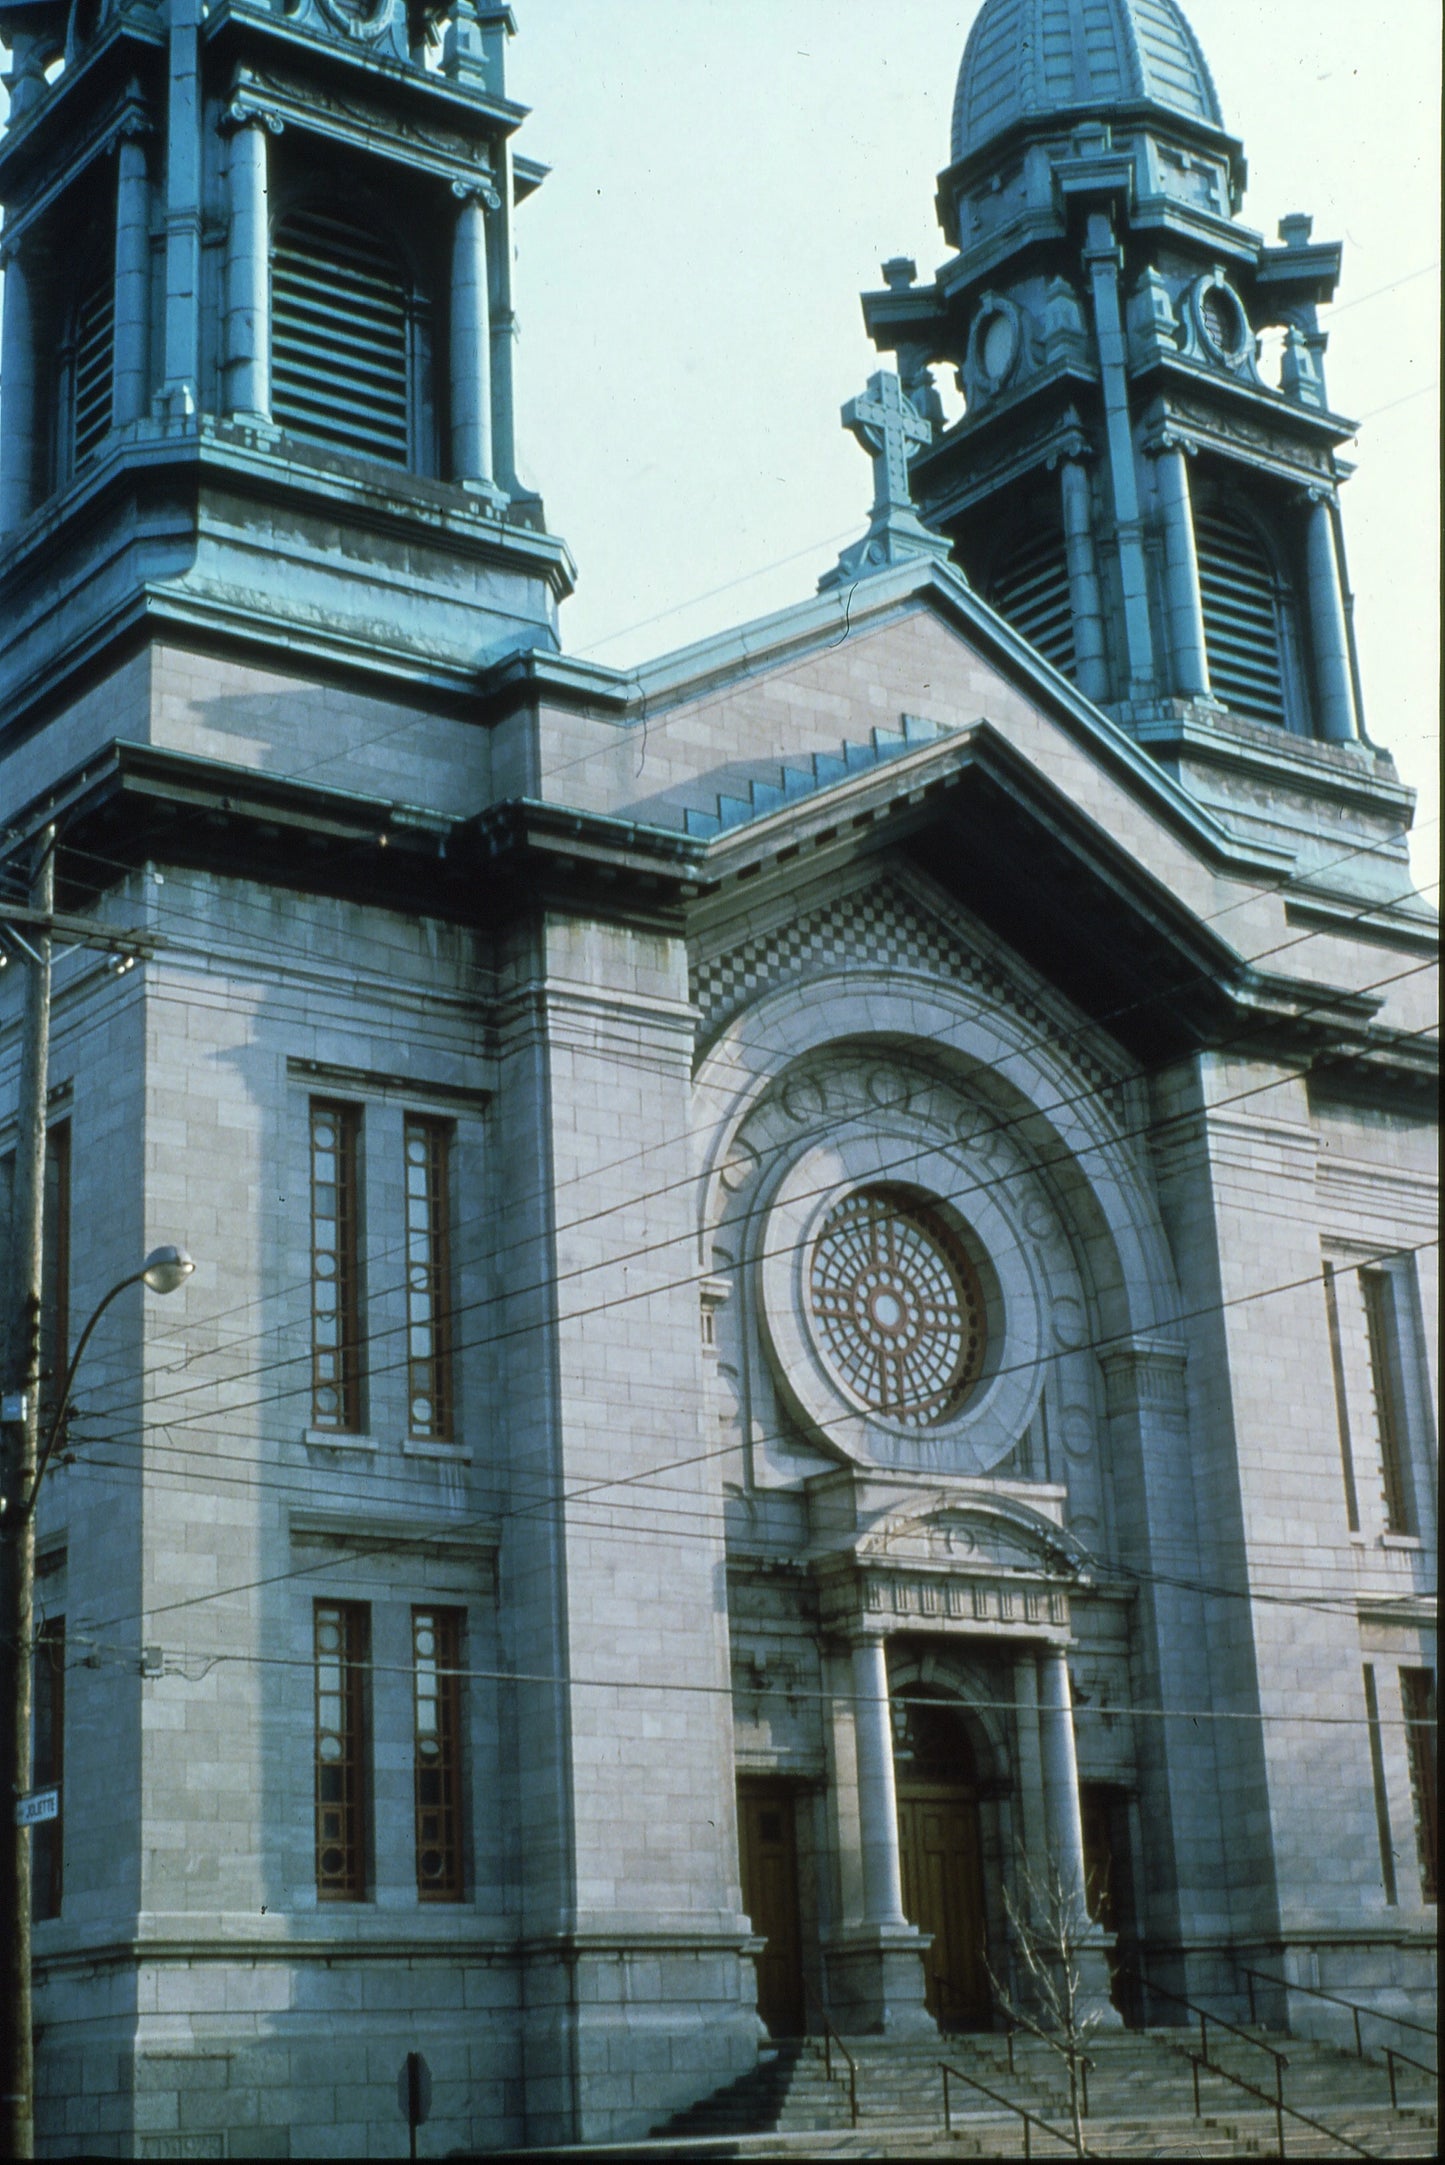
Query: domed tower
pixel 1126 485
pixel 258 296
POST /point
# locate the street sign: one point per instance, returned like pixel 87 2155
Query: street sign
pixel 40 1804
pixel 413 2093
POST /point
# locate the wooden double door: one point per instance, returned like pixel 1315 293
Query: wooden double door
pixel 942 1865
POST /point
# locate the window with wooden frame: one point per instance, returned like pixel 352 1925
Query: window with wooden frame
pixel 1342 1405
pixel 430 1412
pixel 336 1358
pixel 47 1854
pixel 436 1639
pixel 1417 1690
pixel 342 1655
pixel 1382 1323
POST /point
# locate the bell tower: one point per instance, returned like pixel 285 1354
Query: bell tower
pixel 1152 509
pixel 259 334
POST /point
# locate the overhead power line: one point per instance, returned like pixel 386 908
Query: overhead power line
pixel 487 1521
pixel 1063 1154
pixel 1027 1115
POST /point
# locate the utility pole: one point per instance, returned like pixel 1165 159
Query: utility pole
pixel 17 1525
pixel 22 1295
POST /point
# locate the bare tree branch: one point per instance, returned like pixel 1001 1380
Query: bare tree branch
pixel 1047 1935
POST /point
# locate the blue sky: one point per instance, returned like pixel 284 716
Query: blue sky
pixel 727 174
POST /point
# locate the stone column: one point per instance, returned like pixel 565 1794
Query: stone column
pixel 471 365
pixel 877 1795
pixel 1061 1773
pixel 247 366
pixel 1033 1831
pixel 17 397
pixel 1190 662
pixel 1091 665
pixel 132 282
pixel 1328 636
pixel 874 1962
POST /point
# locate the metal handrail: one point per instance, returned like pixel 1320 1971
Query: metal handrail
pixel 831 2038
pixel 1030 2119
pixel 1392 2054
pixel 1011 2027
pixel 1206 2017
pixel 1277 2101
pixel 1402 2022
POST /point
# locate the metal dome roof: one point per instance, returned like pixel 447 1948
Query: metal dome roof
pixel 1037 58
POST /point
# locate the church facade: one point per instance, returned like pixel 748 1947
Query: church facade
pixel 796 1341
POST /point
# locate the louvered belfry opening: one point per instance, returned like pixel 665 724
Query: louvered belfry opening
pixel 93 363
pixel 1239 590
pixel 343 364
pixel 1028 582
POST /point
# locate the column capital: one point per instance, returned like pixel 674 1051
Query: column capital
pixel 478 190
pixel 244 111
pixel 1073 449
pixel 1171 439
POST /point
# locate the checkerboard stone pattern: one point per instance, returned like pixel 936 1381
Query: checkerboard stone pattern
pixel 883 927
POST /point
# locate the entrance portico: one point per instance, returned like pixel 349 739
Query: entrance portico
pixel 984 1587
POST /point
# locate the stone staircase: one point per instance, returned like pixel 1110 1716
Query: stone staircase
pixel 1141 2101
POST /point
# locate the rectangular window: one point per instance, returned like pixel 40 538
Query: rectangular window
pixel 336 1364
pixel 436 1638
pixel 428 1280
pixel 1417 1689
pixel 1377 1777
pixel 343 1649
pixel 1342 1410
pixel 1378 1289
pixel 48 1766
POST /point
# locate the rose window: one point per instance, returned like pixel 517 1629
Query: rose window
pixel 897 1307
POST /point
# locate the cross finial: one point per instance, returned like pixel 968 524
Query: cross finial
pixel 890 430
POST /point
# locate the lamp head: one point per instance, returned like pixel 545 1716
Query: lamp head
pixel 166 1268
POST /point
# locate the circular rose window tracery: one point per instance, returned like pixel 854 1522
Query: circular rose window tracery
pixel 897 1306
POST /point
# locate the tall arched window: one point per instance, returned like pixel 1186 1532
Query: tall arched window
pixel 1028 582
pixel 347 340
pixel 1243 602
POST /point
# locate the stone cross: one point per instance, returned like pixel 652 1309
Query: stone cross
pixel 889 430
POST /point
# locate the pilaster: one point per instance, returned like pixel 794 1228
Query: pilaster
pixel 18 375
pixel 629 1905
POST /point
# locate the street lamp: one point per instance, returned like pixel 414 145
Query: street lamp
pixel 163 1270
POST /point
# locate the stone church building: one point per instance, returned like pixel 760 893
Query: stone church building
pixel 794 1337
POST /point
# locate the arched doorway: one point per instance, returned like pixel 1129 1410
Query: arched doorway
pixel 941 1854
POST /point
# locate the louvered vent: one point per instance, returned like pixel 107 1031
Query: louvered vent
pixel 94 365
pixel 1029 585
pixel 340 349
pixel 1241 617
